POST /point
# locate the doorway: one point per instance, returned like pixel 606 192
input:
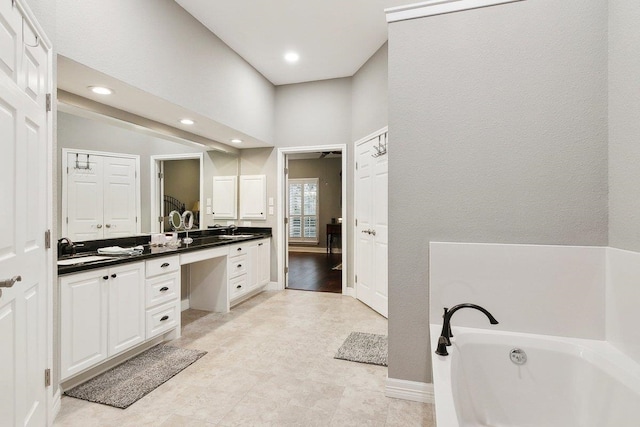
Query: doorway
pixel 312 186
pixel 178 185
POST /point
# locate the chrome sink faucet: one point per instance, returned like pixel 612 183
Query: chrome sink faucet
pixel 232 229
pixel 446 333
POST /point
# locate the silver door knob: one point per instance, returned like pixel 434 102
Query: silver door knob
pixel 99 226
pixel 365 231
pixel 372 232
pixel 9 282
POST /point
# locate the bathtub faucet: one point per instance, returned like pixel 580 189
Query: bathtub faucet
pixel 446 334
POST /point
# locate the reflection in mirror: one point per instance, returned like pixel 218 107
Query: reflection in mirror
pixel 83 131
pixel 175 219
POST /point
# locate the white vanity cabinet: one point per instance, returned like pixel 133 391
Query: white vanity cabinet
pixel 260 262
pixel 162 301
pixel 248 267
pixel 101 314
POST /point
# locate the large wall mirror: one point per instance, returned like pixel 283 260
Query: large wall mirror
pixel 116 178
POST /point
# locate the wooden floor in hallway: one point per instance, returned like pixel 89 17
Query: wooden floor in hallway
pixel 314 272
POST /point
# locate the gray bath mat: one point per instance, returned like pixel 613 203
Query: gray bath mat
pixel 364 348
pixel 126 383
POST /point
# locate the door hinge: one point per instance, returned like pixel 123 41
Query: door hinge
pixel 136 220
pixel 47 377
pixel 356 278
pixel 48 102
pixel 286 270
pixel 160 219
pixel 47 239
pixel 356 165
pixel 67 220
pixel 160 175
pixel 286 220
pixel 286 171
pixel 356 222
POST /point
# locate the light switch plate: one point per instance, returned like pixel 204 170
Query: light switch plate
pixel 271 201
pixel 208 201
pixel 270 210
pixel 208 210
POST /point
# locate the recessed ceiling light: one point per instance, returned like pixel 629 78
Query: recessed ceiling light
pixel 187 121
pixel 291 57
pixel 101 90
pixel 236 141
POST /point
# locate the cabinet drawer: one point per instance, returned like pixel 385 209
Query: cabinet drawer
pixel 238 286
pixel 162 319
pixel 162 289
pixel 238 250
pixel 162 265
pixel 237 266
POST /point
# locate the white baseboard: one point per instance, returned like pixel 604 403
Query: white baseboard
pixel 409 390
pixel 184 304
pixel 55 406
pixel 273 286
pixel 308 249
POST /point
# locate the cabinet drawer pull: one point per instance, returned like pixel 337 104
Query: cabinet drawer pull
pixel 114 275
pixel 260 244
pixel 164 289
pixel 164 265
pixel 163 318
pixel 238 287
pixel 239 266
pixel 239 249
pixel 105 277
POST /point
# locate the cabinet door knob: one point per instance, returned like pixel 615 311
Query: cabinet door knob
pixel 239 249
pixel 239 266
pixel 238 287
pixel 163 318
pixel 99 226
pixel 260 244
pixel 164 265
pixel 108 225
pixel 164 289
pixel 114 275
pixel 105 277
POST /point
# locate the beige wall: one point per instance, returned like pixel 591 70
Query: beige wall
pixel 328 172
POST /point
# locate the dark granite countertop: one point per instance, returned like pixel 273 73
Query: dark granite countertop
pixel 202 239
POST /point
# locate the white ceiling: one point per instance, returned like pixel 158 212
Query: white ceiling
pixel 334 38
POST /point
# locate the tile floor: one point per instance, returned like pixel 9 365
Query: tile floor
pixel 269 363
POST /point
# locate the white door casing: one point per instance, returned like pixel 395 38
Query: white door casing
pixel 25 133
pixel 372 230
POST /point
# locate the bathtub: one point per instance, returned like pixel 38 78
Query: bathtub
pixel 564 382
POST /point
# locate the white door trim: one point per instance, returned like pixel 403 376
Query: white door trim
pixel 65 151
pixel 281 238
pixel 437 7
pixel 155 190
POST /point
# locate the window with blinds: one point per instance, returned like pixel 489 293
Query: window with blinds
pixel 303 210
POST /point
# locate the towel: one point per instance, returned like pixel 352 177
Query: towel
pixel 117 250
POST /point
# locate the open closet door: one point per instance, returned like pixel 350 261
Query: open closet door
pixel 372 229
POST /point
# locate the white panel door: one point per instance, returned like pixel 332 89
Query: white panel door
pixel 225 197
pixel 83 320
pixel 119 205
pixel 371 190
pixel 24 136
pixel 84 197
pixel 126 307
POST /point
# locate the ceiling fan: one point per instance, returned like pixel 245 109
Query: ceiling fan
pixel 326 153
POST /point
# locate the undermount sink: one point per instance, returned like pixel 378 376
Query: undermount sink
pixel 236 236
pixel 83 260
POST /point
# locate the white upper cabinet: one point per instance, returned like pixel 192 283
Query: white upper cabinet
pixel 225 197
pixel 253 197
